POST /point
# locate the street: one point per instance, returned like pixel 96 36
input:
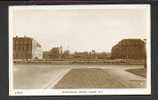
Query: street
pixel 76 76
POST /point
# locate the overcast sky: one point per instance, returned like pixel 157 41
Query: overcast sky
pixel 80 29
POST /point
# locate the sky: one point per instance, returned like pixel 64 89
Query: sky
pixel 80 29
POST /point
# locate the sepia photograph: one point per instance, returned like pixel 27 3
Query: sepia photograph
pixel 79 50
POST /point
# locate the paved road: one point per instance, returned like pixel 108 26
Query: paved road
pixel 39 77
pixel 35 77
pixel 99 78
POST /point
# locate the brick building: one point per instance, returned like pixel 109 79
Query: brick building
pixel 26 48
pixel 129 49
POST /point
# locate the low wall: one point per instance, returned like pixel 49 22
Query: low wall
pixel 115 61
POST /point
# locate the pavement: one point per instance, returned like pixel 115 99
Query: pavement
pixel 68 77
pixel 99 78
pixel 33 77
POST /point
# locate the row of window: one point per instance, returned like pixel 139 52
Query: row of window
pixel 22 55
pixel 22 48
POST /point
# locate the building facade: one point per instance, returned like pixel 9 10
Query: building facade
pixel 129 49
pixel 81 55
pixel 36 50
pixel 54 53
pixel 66 55
pixel 26 48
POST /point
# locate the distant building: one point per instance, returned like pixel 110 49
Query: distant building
pixel 66 54
pixel 54 53
pixel 46 55
pixel 129 49
pixel 80 55
pixel 101 55
pixel 26 48
pixel 90 55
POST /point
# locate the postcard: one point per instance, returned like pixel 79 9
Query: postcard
pixel 79 50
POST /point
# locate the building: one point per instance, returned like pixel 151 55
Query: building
pixel 66 55
pixel 101 55
pixel 45 55
pixel 81 55
pixel 36 50
pixel 26 48
pixel 129 49
pixel 90 55
pixel 54 53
